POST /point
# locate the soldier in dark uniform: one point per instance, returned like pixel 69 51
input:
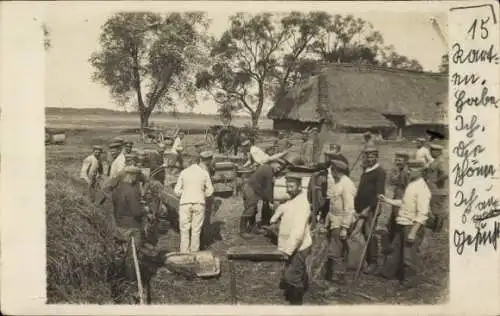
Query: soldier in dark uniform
pixel 260 186
pixel 371 185
pixel 128 213
pixel 156 161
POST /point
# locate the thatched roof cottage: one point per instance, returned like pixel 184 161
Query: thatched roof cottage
pixel 358 98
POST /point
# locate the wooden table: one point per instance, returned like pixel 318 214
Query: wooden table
pixel 253 253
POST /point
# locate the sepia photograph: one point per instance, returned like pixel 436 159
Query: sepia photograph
pixel 253 157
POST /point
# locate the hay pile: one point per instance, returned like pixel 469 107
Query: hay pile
pixel 80 246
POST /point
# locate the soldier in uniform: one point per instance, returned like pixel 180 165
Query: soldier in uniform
pixel 307 148
pixel 92 171
pixel 414 210
pixel 282 143
pixel 423 153
pixel 259 187
pixel 339 219
pixel 117 157
pixel 436 172
pixel 399 178
pixel 371 185
pixel 294 239
pixel 156 163
pixel 128 214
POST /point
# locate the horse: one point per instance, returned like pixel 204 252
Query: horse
pixel 230 137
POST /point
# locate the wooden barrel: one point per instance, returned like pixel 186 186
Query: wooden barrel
pixel 224 176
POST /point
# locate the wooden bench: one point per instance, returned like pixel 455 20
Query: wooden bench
pixel 253 253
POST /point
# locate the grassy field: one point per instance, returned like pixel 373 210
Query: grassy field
pixel 79 245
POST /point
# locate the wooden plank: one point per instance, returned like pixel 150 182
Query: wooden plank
pixel 255 253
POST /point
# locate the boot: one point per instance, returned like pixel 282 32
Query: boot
pixel 296 296
pixel 245 227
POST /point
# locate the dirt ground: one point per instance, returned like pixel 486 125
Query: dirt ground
pixel 257 283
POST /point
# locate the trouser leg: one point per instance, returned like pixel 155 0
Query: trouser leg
pixel 198 215
pixel 250 202
pixel 372 250
pixel 184 227
pixel 267 213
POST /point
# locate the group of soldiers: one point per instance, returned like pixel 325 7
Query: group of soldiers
pixel 398 222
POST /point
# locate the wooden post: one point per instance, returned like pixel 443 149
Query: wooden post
pixel 232 282
pixel 137 272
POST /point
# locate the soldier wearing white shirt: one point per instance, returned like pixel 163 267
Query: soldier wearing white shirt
pixel 256 156
pixel 414 210
pixel 193 186
pixel 118 158
pixel 92 170
pixel 339 219
pixel 294 239
pixel 423 154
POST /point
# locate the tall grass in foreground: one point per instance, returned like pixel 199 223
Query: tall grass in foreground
pixel 80 244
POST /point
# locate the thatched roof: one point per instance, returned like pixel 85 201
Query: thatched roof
pixel 360 96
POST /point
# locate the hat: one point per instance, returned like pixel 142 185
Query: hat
pixel 420 139
pixel 402 154
pixel 206 154
pixel 115 144
pixel 338 164
pixel 293 176
pixel 141 154
pixel 370 149
pixel 436 147
pixel 97 147
pixel 367 134
pixel 245 142
pixel 161 145
pixel 416 164
pixel 129 142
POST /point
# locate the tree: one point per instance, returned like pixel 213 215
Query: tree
pixel 148 60
pixel 353 40
pixel 444 66
pixel 392 59
pixel 257 57
pixel 47 44
pixel 261 56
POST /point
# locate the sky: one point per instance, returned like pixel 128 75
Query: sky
pixel 75 29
